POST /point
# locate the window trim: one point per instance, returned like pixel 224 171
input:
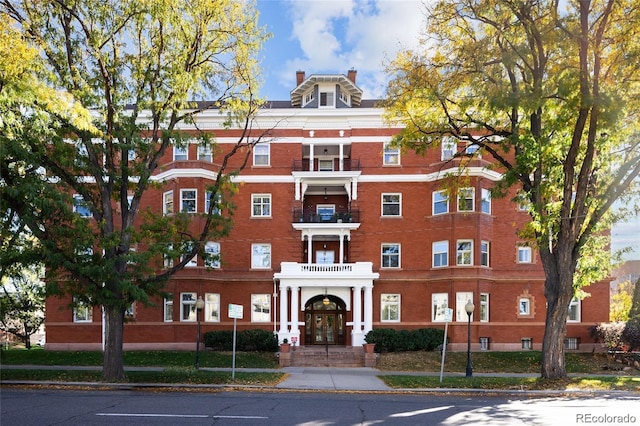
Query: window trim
pixel 578 304
pixel 445 200
pixel 385 303
pixel 183 199
pixel 208 307
pixel 205 151
pixel 434 253
pixel 462 253
pixel 212 247
pixel 485 200
pixel 80 206
pixel 464 200
pixel 448 148
pixel 267 253
pixel 166 203
pixel 524 249
pixel 257 155
pixel 390 156
pixel 524 306
pixel 88 310
pixel 462 297
pixel 168 308
pixel 181 152
pixel 191 304
pixel 485 258
pixel 254 301
pixel 483 314
pixel 261 204
pixel 384 203
pixel 438 310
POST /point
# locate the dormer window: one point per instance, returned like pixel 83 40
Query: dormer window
pixel 308 97
pixel 344 97
pixel 326 99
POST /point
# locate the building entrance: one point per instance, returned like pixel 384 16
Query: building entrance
pixel 324 321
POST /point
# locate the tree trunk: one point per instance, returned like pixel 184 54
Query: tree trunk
pixel 558 293
pixel 113 357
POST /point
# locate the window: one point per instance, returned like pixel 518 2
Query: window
pixel 524 254
pixel 527 343
pixel 440 202
pixel 326 98
pixel 212 259
pixel 260 308
pixel 186 248
pixel 260 256
pixel 449 146
pixel 466 199
pixel 208 198
pixel 484 343
pixel 391 255
pixel 571 343
pixel 574 311
pixel 308 97
pixel 484 307
pixel 81 158
pixel 131 311
pixel 524 306
pixel 485 201
pixel 180 153
pixel 390 308
pixel 188 198
pixel 188 307
pixel 204 153
pixel 168 257
pixel 81 207
pixel 325 165
pixel 325 212
pixel 167 202
pixel 344 97
pixel 261 205
pixel 440 254
pixel 261 155
pixel 484 253
pixel 464 253
pixel 439 304
pixel 391 155
pixel 168 308
pixel 391 205
pixel 471 149
pixel 211 307
pixel 462 297
pixel 82 311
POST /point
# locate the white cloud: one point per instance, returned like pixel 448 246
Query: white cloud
pixel 337 35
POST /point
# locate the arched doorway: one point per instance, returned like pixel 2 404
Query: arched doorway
pixel 324 317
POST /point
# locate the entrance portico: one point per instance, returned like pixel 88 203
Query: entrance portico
pixel 349 286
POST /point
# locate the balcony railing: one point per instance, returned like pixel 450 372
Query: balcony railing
pixel 349 165
pixel 311 216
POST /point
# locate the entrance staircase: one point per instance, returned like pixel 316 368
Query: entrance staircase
pixel 326 356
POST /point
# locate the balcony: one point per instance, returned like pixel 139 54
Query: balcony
pixel 348 165
pixel 324 271
pixel 312 216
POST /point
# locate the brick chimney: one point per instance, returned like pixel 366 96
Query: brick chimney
pixel 299 77
pixel 351 75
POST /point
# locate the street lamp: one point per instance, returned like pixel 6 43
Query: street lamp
pixel 469 307
pixel 199 306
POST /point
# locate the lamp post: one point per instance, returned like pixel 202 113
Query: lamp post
pixel 469 307
pixel 199 306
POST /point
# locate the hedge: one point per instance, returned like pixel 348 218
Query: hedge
pixel 391 340
pixel 253 340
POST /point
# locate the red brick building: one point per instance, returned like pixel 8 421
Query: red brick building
pixel 336 233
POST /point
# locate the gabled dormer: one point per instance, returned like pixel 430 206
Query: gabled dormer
pixel 326 91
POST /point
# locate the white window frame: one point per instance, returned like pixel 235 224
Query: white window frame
pixel 524 255
pixel 261 308
pixel 207 202
pixel 439 303
pixel 168 203
pixel 484 307
pixel 464 256
pixel 261 202
pixel 82 312
pixel 308 97
pixel 524 306
pixel 390 307
pixel 390 155
pixel 211 307
pixel 390 200
pixel 325 164
pixel 575 306
pixel 466 199
pixel 167 259
pixel 344 97
pixel 386 254
pixel 181 153
pixel 462 297
pixel 205 153
pixel 262 155
pixel 485 201
pixel 439 198
pixel 188 306
pixel 448 148
pixel 212 247
pixel 81 207
pixel 194 260
pixel 471 149
pixel 440 245
pixel 168 308
pixel 329 100
pixel 193 200
pixel 485 258
pixel 261 256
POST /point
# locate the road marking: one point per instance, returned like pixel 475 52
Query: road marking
pixel 191 416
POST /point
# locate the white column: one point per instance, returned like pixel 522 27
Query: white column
pixel 284 317
pixel 368 309
pixel 341 248
pixel 341 157
pixel 295 312
pixel 309 248
pixel 356 335
pixel 310 157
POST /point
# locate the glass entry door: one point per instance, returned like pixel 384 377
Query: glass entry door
pixel 324 329
pixel 325 321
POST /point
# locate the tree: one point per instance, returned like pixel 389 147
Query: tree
pixel 22 305
pixel 550 91
pixel 138 66
pixel 620 304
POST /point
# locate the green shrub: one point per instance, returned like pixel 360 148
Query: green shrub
pixel 631 333
pixel 609 334
pixel 246 340
pixel 390 340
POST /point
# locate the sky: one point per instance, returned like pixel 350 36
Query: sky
pixel 333 36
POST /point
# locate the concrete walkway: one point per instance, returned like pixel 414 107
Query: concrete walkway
pixel 327 378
